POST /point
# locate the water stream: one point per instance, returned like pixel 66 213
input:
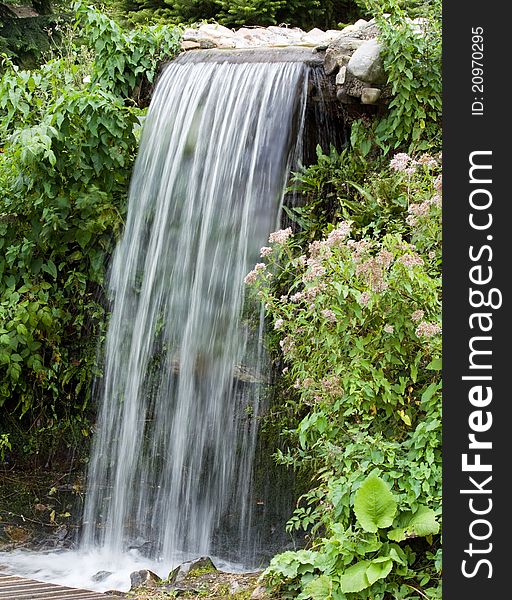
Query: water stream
pixel 170 473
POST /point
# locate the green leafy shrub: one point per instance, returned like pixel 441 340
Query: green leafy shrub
pixel 357 318
pixel 412 61
pixel 69 133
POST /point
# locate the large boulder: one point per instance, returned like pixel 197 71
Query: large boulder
pixel 366 63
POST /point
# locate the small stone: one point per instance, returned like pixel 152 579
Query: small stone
pixel 234 587
pixel 144 578
pixel 260 593
pixel 101 576
pixel 370 95
pixel 341 76
pixel 339 53
pixel 207 44
pixel 344 98
pixel 189 45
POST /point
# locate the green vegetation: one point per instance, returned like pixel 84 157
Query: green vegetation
pixel 69 135
pixel 236 13
pixel 357 317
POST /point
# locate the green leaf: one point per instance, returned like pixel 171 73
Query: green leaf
pixel 50 268
pixel 379 568
pixel 83 237
pixel 355 579
pixel 420 524
pixel 435 365
pixel 319 588
pixel 374 504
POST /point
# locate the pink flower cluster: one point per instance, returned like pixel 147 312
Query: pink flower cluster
pixel 287 344
pixel 278 324
pixel 280 237
pixel 315 270
pixel 337 236
pixel 417 211
pixel 328 315
pixel 308 294
pixel 364 299
pixel 373 272
pixel 359 248
pixel 426 329
pixel 417 315
pixel 389 328
pixel 335 239
pixel 403 163
pixel 411 260
pixel 252 276
pixel 427 160
pixel 265 251
pixel 332 385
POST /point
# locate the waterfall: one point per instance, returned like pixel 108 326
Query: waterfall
pixel 174 443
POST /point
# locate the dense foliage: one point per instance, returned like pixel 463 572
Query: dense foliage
pixel 411 49
pixel 235 13
pixel 69 134
pixel 357 315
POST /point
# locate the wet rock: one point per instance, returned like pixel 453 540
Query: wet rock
pixel 370 95
pixel 144 578
pixel 145 548
pixel 181 572
pixel 366 63
pixel 101 576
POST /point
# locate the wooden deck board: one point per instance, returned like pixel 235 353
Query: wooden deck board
pixel 13 587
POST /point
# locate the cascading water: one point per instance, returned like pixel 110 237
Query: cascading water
pixel 174 444
pixel 170 473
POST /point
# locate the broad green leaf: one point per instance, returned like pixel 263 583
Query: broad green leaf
pixel 374 504
pixel 379 568
pixel 420 524
pixel 319 588
pixel 354 579
pixel 429 392
pixel 50 268
pixel 435 365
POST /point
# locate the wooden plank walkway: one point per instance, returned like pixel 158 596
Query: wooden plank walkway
pixel 18 588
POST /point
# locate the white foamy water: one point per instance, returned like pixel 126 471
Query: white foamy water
pixel 78 568
pixel 172 459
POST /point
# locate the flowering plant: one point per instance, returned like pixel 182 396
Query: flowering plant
pixel 359 329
